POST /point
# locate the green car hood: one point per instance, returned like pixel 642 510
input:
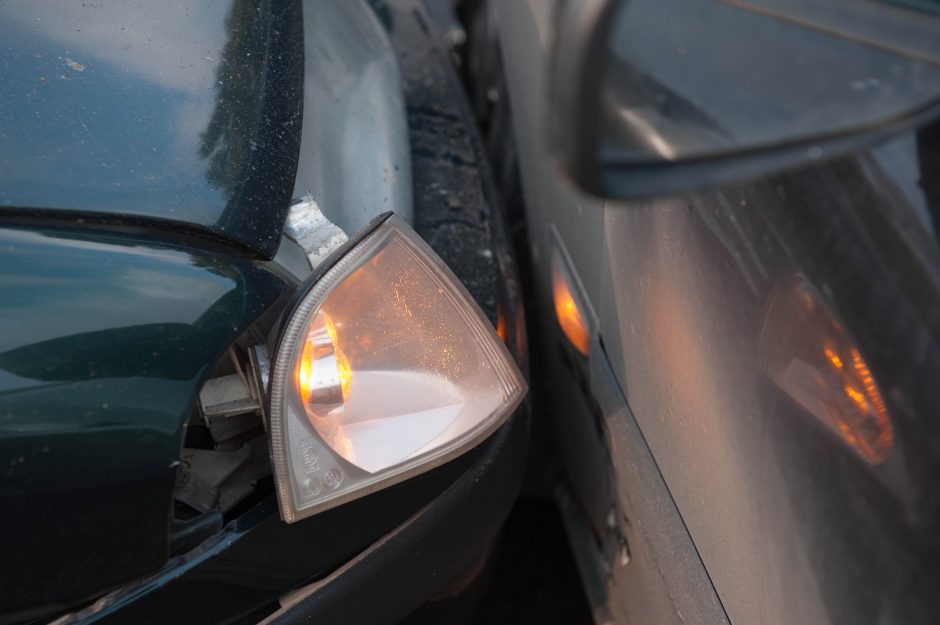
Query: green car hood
pixel 145 114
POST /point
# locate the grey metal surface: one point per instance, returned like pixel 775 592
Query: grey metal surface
pixel 307 226
pixel 226 395
pixel 663 580
pixel 789 526
pixel 355 159
pixel 549 198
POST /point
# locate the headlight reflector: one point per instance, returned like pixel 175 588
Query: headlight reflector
pixel 385 369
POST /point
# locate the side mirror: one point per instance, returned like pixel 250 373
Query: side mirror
pixel 654 96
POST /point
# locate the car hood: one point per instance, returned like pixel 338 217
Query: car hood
pixel 138 111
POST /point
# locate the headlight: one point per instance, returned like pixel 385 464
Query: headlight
pixel 385 369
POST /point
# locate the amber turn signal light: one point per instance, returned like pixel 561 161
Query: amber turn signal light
pixel 570 311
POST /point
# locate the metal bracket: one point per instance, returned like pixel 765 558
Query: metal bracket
pixel 311 230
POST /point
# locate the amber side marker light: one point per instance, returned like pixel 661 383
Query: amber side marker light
pixel 385 368
pixel 569 311
pixel 810 356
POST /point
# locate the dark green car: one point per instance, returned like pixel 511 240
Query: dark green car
pixel 232 386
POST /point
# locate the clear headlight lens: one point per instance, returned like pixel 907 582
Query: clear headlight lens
pixel 386 368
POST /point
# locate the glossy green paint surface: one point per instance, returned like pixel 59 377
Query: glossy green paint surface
pixel 104 341
pixel 137 110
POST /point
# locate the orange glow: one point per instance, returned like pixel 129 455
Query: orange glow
pixel 861 370
pixel 857 397
pixel 345 374
pixel 832 357
pixel 311 358
pixel 342 363
pixel 810 355
pixel 501 329
pixel 863 420
pixel 304 371
pixel 876 439
pixel 569 315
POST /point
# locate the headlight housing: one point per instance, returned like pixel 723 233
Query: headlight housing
pixel 385 368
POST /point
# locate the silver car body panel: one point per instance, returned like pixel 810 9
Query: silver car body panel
pixel 355 158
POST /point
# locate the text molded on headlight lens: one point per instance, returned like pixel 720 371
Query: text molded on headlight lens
pixel 386 368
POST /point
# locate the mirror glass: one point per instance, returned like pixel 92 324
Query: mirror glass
pixel 684 80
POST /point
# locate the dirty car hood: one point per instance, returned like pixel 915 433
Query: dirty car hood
pixel 139 111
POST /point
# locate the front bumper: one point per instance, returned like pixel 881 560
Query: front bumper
pixel 249 572
pixel 426 554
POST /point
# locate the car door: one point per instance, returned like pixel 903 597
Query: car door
pixel 615 488
pixel 793 507
pixel 750 435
